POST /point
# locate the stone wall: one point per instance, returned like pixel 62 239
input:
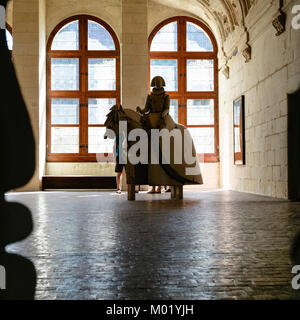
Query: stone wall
pixel 272 73
pixel 134 63
pixel 42 88
pixel 108 10
pixel 26 55
pixel 9 13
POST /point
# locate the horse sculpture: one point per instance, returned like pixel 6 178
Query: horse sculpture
pixel 172 173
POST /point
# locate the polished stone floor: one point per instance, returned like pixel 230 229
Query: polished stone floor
pixel 211 245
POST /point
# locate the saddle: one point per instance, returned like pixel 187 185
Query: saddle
pixel 153 120
pixel 148 121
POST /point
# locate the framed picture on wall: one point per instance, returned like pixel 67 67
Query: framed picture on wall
pixel 239 131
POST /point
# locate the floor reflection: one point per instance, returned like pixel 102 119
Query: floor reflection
pixel 212 245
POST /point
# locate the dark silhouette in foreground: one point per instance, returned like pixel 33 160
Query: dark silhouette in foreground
pixel 294 146
pixel 17 165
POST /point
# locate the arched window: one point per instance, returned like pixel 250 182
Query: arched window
pixel 9 38
pixel 184 52
pixel 83 82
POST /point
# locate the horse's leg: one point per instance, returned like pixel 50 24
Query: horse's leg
pixel 173 192
pixel 131 192
pixel 130 175
pixel 179 192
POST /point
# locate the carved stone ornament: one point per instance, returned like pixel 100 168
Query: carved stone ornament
pixel 247 53
pixel 226 72
pixel 279 23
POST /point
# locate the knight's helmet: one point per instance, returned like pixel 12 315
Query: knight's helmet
pixel 158 82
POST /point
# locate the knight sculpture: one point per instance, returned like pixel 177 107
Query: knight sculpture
pixel 156 115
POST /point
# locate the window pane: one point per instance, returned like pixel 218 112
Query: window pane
pixel 99 38
pixel 97 143
pixel 200 75
pixel 64 140
pixel 200 112
pixel 64 74
pixel 237 114
pixel 197 39
pixel 9 39
pixel 102 74
pixel 204 139
pixel 166 38
pixel 237 127
pixel 166 69
pixel 65 111
pixel 67 37
pixel 174 109
pixel 98 109
pixel 237 139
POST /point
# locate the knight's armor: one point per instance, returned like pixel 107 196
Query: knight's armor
pixel 157 105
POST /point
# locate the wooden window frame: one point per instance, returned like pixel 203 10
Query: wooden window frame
pixel 83 94
pixel 182 95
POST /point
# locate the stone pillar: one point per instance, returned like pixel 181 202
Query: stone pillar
pixel 134 53
pixel 42 88
pixel 26 55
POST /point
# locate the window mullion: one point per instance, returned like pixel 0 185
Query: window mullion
pixel 83 108
pixel 179 62
pixel 182 110
pixel 183 100
pixel 216 100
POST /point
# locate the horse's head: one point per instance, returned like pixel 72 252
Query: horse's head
pixel 112 121
pixel 117 114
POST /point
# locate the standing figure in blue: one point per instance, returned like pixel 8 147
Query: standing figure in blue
pixel 119 167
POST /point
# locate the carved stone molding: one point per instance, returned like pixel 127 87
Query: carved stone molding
pixel 279 23
pixel 228 14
